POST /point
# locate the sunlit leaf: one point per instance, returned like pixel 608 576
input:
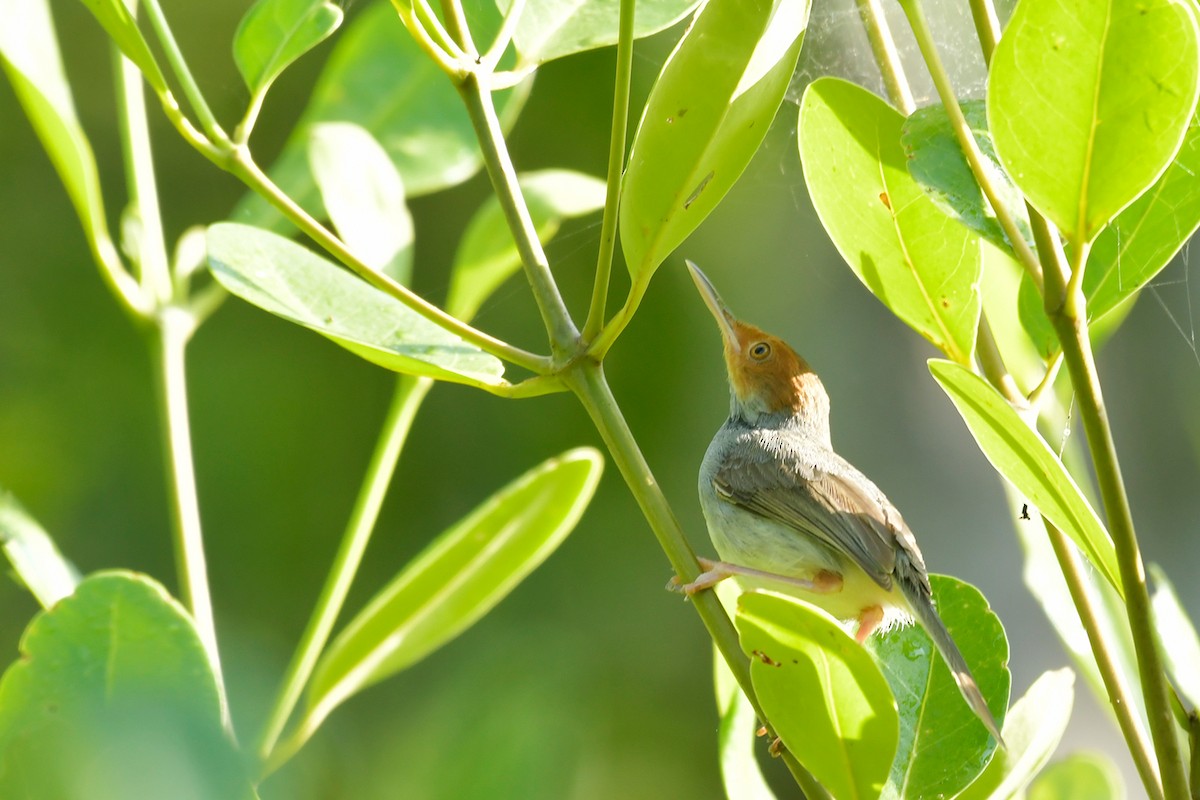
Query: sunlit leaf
pixel 1081 776
pixel 487 254
pixel 274 33
pixel 363 196
pixel 550 29
pixel 1088 102
pixel 1032 730
pixel 943 745
pixel 33 555
pixel 114 698
pixel 122 28
pixel 707 113
pixel 824 694
pixel 918 261
pixel 458 578
pixel 378 77
pixel 295 283
pixel 936 161
pixel 1025 460
pixel 1177 632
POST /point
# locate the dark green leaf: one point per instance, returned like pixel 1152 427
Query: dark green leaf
pixel 114 698
pixel 487 254
pixel 822 692
pixel 363 196
pixel 1032 730
pixel 378 77
pixel 36 560
pixel 274 33
pixel 458 578
pixel 1088 102
pixel 707 113
pixel 943 745
pixel 920 263
pixel 292 282
pixel 1024 459
pixel 550 29
pixel 936 161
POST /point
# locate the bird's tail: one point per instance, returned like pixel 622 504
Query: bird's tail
pixel 926 614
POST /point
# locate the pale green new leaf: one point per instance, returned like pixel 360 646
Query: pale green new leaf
pixel 1088 102
pixel 1081 776
pixel 824 694
pixel 1026 461
pixel 33 555
pixel 706 116
pixel 1032 730
pixel 114 698
pixel 295 283
pixel 917 260
pixel 457 579
pixel 487 254
pixel 274 33
pixel 363 196
pixel 1177 632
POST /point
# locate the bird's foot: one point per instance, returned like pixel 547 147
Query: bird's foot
pixel 714 573
pixel 869 619
pixel 823 582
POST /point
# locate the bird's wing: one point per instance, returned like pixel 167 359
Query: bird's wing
pixel 850 516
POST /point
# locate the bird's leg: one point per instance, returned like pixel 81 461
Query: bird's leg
pixel 824 582
pixel 868 620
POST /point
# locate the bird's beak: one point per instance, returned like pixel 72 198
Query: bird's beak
pixel 715 304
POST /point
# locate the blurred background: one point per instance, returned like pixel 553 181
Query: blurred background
pixel 590 681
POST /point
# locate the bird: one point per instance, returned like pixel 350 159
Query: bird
pixel 784 510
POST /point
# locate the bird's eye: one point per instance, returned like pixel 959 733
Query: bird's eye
pixel 759 351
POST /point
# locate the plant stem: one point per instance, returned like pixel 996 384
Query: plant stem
pixel 1118 692
pixel 564 337
pixel 992 365
pixel 460 32
pixel 589 384
pixel 406 401
pixel 1068 315
pixel 169 341
pixel 987 27
pixel 966 139
pixel 208 122
pixel 616 166
pixel 886 55
pixel 504 36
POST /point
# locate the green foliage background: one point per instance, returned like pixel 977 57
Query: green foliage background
pixel 590 681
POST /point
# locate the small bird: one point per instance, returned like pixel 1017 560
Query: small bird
pixel 784 510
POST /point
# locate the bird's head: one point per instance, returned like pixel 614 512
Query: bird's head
pixel 767 379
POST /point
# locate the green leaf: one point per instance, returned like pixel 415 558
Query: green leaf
pixel 274 33
pixel 1024 459
pixel 921 264
pixel 1082 776
pixel 742 778
pixel 1180 643
pixel 1032 730
pixel 937 163
pixel 363 196
pixel 30 56
pixel 487 254
pixel 378 77
pixel 943 745
pixel 822 691
pixel 1145 236
pixel 1001 284
pixel 550 29
pixel 1088 102
pixel 48 576
pixel 457 579
pixel 706 116
pixel 292 282
pixel 121 27
pixel 114 698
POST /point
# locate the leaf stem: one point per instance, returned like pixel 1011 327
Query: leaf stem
pixel 208 122
pixel 616 167
pixel 409 394
pixel 987 27
pixel 966 139
pixel 1118 692
pixel 1069 317
pixel 491 59
pixel 460 32
pixel 992 365
pixel 886 55
pixel 587 380
pixel 564 337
